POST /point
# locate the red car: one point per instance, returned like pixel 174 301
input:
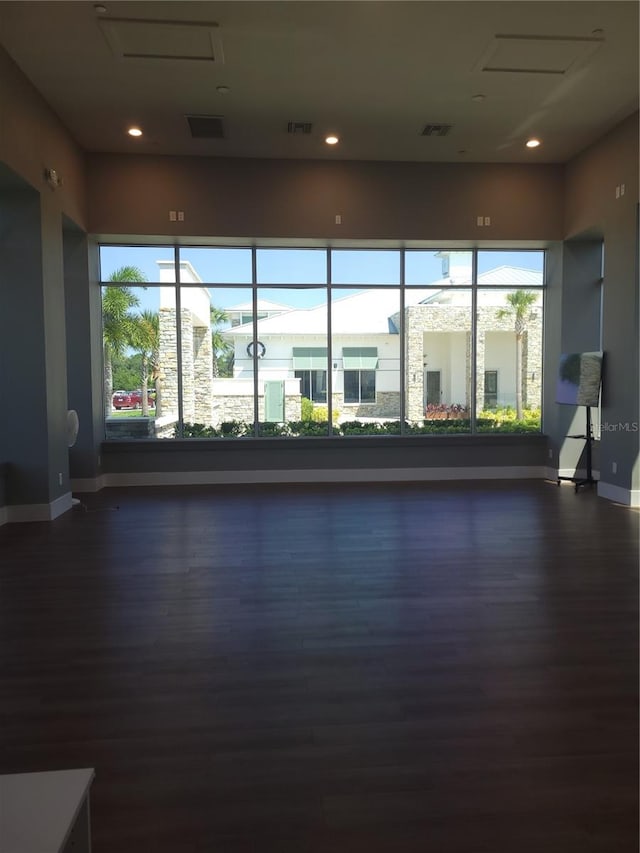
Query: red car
pixel 131 399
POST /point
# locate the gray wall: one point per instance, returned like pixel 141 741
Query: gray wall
pixel 84 352
pixel 25 343
pixel 592 210
pixel 331 454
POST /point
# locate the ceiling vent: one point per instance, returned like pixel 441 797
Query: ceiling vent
pixel 135 38
pixel 299 127
pixel 515 54
pixel 436 129
pixel 206 127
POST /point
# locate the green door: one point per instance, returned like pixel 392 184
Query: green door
pixel 274 401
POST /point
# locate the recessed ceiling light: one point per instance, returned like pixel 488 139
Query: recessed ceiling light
pixel 478 97
pixel 533 143
pixel 223 90
pixel 100 9
pixel 134 131
pixel 332 139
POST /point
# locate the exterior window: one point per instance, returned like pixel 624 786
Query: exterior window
pixel 313 384
pixel 490 389
pixel 359 386
pixel 218 342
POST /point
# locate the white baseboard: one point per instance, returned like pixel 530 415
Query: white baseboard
pixel 314 475
pixel 38 512
pixel 87 484
pixel 628 497
pixel 575 472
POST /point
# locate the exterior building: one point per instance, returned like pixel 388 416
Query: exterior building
pixel 365 348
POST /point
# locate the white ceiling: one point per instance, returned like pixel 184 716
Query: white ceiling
pixel 373 72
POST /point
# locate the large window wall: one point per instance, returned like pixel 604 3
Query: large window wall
pixel 219 342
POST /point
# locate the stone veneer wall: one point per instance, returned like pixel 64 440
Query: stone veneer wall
pixel 197 367
pixel 202 375
pixel 421 319
pixel 239 407
pixel 531 353
pixel 168 361
pixel 387 405
pixel 418 320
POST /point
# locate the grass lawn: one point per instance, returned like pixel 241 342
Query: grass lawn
pixel 131 413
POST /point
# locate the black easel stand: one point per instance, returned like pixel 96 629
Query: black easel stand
pixel 588 438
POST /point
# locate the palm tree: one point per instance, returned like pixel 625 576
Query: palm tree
pixel 146 341
pixel 118 323
pixel 220 346
pixel 520 303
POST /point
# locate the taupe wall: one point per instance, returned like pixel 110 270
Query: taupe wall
pixel 592 178
pixel 237 198
pixel 32 138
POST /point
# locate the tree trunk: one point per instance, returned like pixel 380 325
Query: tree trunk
pixel 145 387
pixel 519 377
pixel 158 396
pixel 108 383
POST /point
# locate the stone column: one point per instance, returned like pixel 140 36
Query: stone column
pixel 168 361
pixel 202 375
pixel 188 401
pixel 480 350
pixel 414 349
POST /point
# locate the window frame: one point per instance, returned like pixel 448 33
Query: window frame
pixel 328 286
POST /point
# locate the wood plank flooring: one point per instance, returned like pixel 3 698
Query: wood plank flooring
pixel 439 668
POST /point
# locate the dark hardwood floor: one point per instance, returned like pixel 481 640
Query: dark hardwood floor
pixel 442 668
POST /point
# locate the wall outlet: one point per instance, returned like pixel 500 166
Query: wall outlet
pixel 181 216
pixel 172 216
pixel 614 467
pixel 60 478
pixel 480 221
pixel 487 220
pixel 338 219
pixel 621 189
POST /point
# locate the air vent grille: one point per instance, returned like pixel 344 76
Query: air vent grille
pixel 206 127
pixel 299 127
pixel 436 129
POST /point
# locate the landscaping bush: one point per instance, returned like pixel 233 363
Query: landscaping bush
pixel 270 430
pixel 304 428
pixel 504 420
pixel 360 428
pixel 306 409
pixel 235 429
pixel 196 431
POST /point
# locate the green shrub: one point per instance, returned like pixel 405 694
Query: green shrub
pixel 313 428
pixel 196 431
pixel 234 429
pixel 360 428
pixel 504 421
pixel 270 429
pixel 306 409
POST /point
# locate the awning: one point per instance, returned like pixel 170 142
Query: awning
pixel 310 358
pixel 359 358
